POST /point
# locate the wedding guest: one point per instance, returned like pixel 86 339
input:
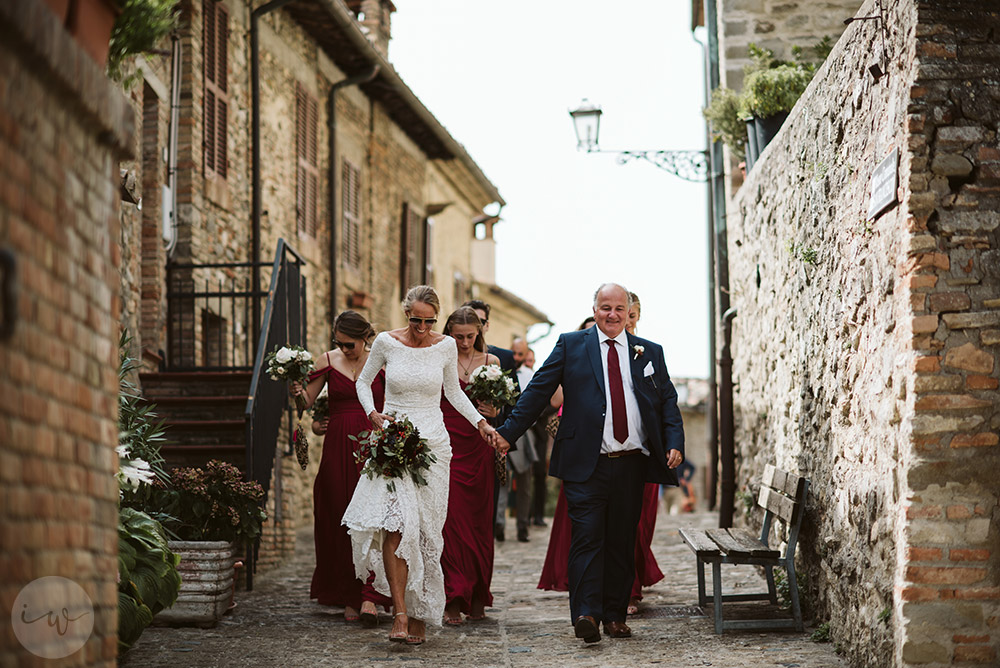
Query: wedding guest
pixel 333 581
pixel 396 529
pixel 467 560
pixel 521 459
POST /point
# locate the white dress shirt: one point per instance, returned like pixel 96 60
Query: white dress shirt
pixel 636 434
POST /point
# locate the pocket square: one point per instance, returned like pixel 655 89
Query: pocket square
pixel 648 370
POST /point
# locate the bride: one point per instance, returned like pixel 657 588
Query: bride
pixel 397 534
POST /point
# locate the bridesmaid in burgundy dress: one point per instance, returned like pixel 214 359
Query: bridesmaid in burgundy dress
pixel 334 581
pixel 467 560
pixel 555 571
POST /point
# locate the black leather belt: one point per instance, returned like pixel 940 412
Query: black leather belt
pixel 621 453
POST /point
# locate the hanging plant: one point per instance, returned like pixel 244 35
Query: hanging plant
pixel 138 29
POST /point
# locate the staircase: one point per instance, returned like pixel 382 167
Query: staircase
pixel 203 413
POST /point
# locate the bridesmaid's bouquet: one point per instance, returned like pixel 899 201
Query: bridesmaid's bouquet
pixel 492 385
pixel 290 363
pixel 395 452
pixel 321 407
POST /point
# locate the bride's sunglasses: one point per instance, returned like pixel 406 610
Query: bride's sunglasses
pixel 426 321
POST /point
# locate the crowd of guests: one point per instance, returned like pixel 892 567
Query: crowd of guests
pixel 426 554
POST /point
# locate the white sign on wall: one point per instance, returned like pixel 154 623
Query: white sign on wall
pixel 885 181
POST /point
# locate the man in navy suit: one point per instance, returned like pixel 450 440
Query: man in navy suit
pixel 620 427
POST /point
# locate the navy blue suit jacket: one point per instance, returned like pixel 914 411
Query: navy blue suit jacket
pixel 575 363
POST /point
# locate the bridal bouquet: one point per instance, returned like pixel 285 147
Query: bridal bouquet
pixel 290 364
pixel 490 384
pixel 395 452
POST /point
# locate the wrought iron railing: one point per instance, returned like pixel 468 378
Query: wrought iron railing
pixel 283 322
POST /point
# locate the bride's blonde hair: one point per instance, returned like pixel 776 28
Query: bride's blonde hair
pixel 421 293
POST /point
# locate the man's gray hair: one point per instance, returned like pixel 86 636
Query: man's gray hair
pixel 628 294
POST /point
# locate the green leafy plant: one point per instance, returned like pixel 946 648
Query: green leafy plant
pixel 139 27
pixel 807 254
pixel 822 633
pixel 784 591
pixel 726 121
pixel 148 580
pixel 214 503
pixel 746 500
pixel 772 91
pixel 140 432
pixel 885 615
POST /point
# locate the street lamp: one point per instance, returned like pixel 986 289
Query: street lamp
pixel 688 165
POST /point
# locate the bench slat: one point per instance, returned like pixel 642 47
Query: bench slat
pixel 786 483
pixel 740 543
pixel 698 540
pixel 779 504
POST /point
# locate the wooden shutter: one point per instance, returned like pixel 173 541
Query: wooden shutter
pixel 351 189
pixel 215 41
pixel 412 249
pixel 307 181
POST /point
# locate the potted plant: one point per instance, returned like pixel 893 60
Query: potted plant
pixel 770 94
pixel 723 114
pixel 213 512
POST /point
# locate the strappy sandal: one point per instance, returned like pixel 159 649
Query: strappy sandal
pixel 414 639
pixel 350 617
pixel 399 637
pixel 453 621
pixel 369 619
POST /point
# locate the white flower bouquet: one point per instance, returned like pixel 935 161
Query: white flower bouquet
pixel 490 384
pixel 290 363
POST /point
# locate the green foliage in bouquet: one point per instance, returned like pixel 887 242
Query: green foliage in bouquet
pixel 490 384
pixel 214 503
pixel 395 452
pixel 148 580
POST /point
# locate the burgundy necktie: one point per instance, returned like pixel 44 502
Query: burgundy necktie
pixel 619 416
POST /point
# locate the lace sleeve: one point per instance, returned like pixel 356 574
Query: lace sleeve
pixel 453 391
pixel 376 360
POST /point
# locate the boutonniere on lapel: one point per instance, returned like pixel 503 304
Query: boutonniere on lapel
pixel 639 350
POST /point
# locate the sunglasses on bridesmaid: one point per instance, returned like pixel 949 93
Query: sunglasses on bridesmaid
pixel 344 345
pixel 426 321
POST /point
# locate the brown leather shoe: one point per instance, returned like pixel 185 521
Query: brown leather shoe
pixel 586 628
pixel 617 630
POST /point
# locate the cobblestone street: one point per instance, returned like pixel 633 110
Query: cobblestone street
pixel 277 624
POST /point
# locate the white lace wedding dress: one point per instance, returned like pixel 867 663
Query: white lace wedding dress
pixel 413 381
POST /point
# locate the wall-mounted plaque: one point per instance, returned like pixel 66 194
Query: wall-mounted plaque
pixel 885 181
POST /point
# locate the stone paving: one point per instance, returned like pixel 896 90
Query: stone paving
pixel 277 624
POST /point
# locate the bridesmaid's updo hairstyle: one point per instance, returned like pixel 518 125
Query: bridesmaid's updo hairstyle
pixel 633 300
pixel 465 315
pixel 421 293
pixel 354 325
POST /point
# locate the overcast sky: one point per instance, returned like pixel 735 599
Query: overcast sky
pixel 501 75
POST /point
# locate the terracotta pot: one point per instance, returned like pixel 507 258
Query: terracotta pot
pixel 206 570
pixel 90 22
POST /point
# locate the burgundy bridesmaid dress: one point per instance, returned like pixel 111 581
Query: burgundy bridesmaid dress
pixel 467 560
pixel 555 571
pixel 334 581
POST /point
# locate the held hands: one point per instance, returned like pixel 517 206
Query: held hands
pixel 674 459
pixel 378 420
pixel 491 436
pixel 487 410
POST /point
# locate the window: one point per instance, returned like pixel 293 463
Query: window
pixel 412 262
pixel 307 181
pixel 351 188
pixel 215 40
pixel 428 262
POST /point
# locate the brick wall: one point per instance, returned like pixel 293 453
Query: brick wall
pixel 865 351
pixel 63 127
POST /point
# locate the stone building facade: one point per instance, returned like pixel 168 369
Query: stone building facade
pixel 355 174
pixel 63 129
pixel 865 346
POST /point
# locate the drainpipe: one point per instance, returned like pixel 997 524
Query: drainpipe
pixel 332 132
pixel 175 112
pixel 727 451
pixel 718 174
pixel 255 153
pixel 712 407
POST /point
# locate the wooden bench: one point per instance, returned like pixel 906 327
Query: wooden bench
pixel 782 495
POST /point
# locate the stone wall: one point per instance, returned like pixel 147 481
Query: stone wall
pixel 865 350
pixel 63 129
